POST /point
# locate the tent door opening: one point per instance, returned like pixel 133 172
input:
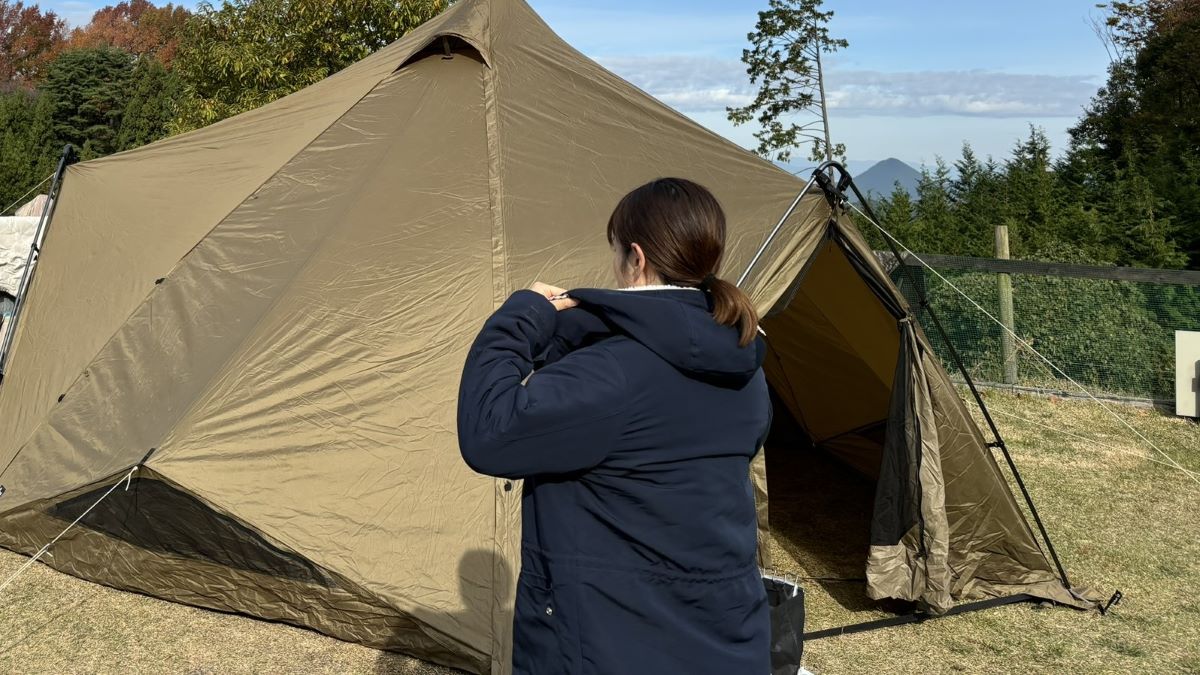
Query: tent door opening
pixel 833 346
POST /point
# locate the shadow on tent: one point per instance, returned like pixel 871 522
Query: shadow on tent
pixel 474 564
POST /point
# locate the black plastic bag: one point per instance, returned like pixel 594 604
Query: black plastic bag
pixel 786 601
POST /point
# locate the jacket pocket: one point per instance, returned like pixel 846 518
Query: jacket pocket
pixel 538 634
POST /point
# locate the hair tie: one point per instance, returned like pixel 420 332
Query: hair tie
pixel 707 282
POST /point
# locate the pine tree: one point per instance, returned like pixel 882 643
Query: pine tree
pixel 27 146
pixel 152 96
pixel 784 61
pixel 87 89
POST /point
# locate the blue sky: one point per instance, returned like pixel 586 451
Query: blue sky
pixel 918 79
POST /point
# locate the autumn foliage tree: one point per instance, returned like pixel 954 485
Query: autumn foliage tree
pixel 29 41
pixel 137 27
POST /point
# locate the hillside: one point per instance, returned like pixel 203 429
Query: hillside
pixel 882 178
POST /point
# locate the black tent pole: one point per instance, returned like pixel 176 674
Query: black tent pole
pixel 35 252
pixel 848 181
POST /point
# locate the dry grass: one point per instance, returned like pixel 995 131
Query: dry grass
pixel 1118 520
pixel 54 623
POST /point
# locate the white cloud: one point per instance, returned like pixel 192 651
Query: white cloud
pixel 697 84
pixel 75 12
pixel 970 93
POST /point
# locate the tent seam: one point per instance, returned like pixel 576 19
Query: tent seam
pixel 499 286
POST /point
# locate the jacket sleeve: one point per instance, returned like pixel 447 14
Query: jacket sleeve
pixel 574 329
pixel 559 420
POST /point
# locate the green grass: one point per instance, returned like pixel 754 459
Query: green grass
pixel 1118 520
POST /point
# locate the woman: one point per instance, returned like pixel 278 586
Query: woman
pixel 634 437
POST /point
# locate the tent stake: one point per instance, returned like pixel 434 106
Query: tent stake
pixel 35 252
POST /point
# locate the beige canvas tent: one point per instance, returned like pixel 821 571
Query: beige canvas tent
pixel 278 306
pixel 16 234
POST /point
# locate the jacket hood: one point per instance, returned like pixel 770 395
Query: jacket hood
pixel 675 324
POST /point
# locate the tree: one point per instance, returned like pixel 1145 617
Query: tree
pixel 896 215
pixel 785 62
pixel 1140 136
pixel 1138 220
pixel 935 213
pixel 1029 207
pixel 977 199
pixel 29 41
pixel 151 98
pixel 247 53
pixel 88 94
pixel 136 26
pixel 27 152
pixel 1129 26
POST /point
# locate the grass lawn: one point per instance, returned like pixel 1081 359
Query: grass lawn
pixel 1118 519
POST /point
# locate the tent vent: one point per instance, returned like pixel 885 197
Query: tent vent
pixel 445 47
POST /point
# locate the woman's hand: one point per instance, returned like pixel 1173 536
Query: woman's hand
pixel 553 294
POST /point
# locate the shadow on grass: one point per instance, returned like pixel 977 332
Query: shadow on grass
pixel 821 516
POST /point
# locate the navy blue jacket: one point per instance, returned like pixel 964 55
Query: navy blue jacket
pixel 634 435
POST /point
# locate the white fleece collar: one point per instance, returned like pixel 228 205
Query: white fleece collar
pixel 662 287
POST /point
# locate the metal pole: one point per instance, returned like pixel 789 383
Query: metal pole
pixel 787 214
pixel 35 249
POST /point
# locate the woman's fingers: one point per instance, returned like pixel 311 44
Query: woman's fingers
pixel 546 289
pixel 564 303
pixel 555 295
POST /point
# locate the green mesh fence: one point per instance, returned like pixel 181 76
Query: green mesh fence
pixel 1117 338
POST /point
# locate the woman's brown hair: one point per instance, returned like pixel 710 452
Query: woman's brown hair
pixel 680 227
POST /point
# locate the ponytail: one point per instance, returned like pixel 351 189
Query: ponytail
pixel 681 228
pixel 732 307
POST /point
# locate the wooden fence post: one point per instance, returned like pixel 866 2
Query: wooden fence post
pixel 1007 345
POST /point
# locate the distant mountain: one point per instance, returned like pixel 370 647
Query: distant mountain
pixel 871 176
pixel 881 179
pixel 805 168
